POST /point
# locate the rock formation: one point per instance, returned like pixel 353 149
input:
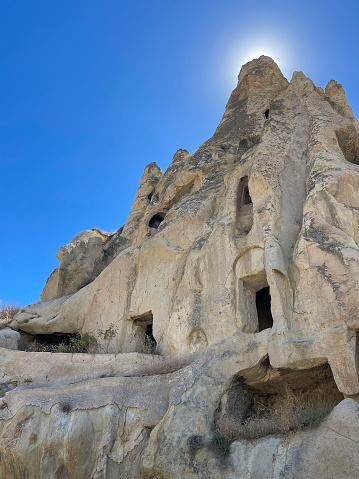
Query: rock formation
pixel 240 264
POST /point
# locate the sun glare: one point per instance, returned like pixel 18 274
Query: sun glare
pixel 253 46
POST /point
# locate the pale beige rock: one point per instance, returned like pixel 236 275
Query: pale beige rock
pixel 268 205
pixel 9 338
pixel 80 263
pixel 46 368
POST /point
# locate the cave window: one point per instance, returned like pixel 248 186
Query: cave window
pixel 348 140
pixel 263 306
pixel 244 214
pixel 244 195
pixel 156 220
pixel 247 200
pixel 144 324
pixel 150 196
pixel 149 332
pixel 266 114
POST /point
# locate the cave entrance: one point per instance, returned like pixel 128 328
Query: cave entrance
pixel 283 401
pixel 247 200
pixel 244 197
pixel 348 140
pixel 54 343
pixel 266 114
pixel 244 216
pixel 156 220
pixel 263 306
pixel 144 329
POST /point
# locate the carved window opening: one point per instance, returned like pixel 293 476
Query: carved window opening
pixel 150 196
pixel 244 197
pixel 156 220
pixel 149 333
pixel 254 303
pixel 144 329
pixel 348 140
pixel 247 200
pixel 263 306
pixel 244 219
pixel 266 114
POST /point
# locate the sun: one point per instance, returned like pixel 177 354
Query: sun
pixel 253 45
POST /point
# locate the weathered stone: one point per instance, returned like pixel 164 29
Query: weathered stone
pixel 9 338
pixel 240 264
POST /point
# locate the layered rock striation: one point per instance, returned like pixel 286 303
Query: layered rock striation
pixel 240 262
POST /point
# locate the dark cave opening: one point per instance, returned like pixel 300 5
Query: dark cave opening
pixel 263 305
pixel 348 140
pixel 247 200
pixel 149 333
pixel 282 402
pixel 244 216
pixel 55 342
pixel 144 324
pixel 244 197
pixel 266 114
pixel 156 220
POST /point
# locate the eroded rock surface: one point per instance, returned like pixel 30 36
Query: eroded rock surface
pixel 241 264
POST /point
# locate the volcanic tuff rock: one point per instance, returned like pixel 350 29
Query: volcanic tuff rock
pixel 240 264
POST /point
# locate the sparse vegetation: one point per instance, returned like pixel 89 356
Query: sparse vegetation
pixel 149 345
pixel 79 343
pixel 107 335
pixel 288 414
pixel 7 313
pixel 221 443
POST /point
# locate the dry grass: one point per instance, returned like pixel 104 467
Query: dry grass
pixel 78 343
pixel 287 414
pixel 148 345
pixel 7 313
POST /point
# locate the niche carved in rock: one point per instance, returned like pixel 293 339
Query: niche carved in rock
pixel 254 301
pixel 156 220
pixel 348 140
pixel 145 340
pixel 282 402
pixel 244 220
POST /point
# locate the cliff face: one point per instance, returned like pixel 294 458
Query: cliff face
pixel 240 261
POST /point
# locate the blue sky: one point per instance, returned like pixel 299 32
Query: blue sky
pixel 93 91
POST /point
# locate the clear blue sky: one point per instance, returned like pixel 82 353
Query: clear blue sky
pixel 93 91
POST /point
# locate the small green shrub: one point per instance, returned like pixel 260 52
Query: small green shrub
pixel 221 443
pixel 82 343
